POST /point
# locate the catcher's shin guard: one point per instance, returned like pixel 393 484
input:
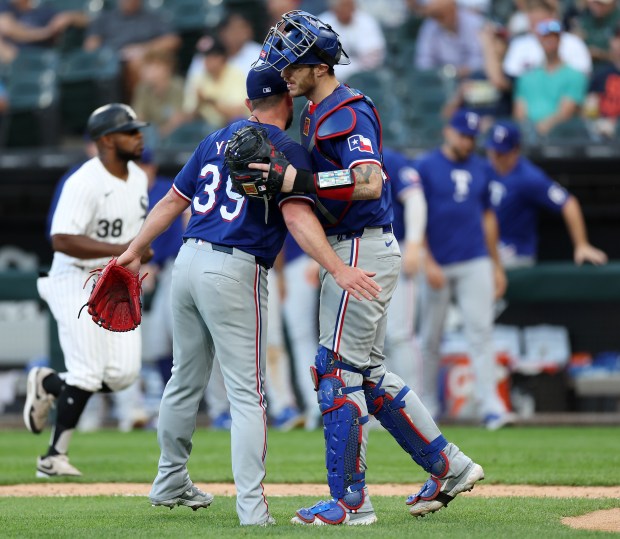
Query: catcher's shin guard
pixel 342 420
pixel 390 411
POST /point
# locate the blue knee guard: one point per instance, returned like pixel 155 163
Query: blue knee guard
pixel 390 413
pixel 342 422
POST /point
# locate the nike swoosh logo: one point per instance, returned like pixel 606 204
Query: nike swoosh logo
pixel 46 466
pixel 108 194
pixel 388 243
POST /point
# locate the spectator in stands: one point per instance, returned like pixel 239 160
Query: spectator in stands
pixel 275 9
pixel 449 36
pixel 132 31
pixel 237 35
pixel 595 24
pixel 549 95
pixel 360 34
pixel 218 95
pixel 525 52
pixel 390 14
pixel 488 93
pixel 519 190
pixel 158 97
pixel 602 104
pixel 25 23
pixel 518 23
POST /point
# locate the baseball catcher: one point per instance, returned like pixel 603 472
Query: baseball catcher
pixel 114 302
pixel 251 144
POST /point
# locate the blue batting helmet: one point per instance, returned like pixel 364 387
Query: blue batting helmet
pixel 301 38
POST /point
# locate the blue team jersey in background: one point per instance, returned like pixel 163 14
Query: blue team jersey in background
pixel 362 144
pixel 219 215
pixel 403 176
pixel 167 244
pixel 517 198
pixel 457 195
pixel 292 250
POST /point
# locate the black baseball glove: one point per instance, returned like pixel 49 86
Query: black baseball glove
pixel 251 144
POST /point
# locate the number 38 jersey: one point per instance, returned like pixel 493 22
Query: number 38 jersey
pixel 96 204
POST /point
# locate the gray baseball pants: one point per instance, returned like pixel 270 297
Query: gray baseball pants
pixel 219 307
pixel 471 284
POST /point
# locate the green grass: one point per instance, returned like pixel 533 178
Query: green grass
pixel 133 517
pixel 545 456
pixel 542 456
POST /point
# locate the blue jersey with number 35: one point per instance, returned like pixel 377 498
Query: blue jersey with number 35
pixel 219 215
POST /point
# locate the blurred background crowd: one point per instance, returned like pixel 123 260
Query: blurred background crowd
pixel 553 65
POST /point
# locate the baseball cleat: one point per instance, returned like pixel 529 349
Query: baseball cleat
pixel 497 421
pixel 334 512
pixel 56 466
pixel 438 493
pixel 193 497
pixel 38 401
pixel 288 419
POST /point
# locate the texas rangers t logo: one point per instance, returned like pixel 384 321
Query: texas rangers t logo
pixel 461 179
pixel 359 142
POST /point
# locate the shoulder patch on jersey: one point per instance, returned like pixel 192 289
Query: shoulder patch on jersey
pixel 557 194
pixel 409 176
pixel 360 143
pixel 338 123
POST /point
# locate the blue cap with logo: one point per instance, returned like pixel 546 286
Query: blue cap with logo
pixel 503 136
pixel 264 83
pixel 466 122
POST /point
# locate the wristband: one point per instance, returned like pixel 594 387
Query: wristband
pixel 333 184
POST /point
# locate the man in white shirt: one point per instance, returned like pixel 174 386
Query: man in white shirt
pixel 525 52
pixel 360 34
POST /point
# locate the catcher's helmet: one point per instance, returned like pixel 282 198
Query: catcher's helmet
pixel 112 118
pixel 301 38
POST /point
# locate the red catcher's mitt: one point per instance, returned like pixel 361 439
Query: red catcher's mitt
pixel 114 302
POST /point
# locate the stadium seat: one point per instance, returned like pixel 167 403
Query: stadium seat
pixel 88 79
pixel 32 87
pixel 424 93
pixel 33 63
pixel 571 132
pixel 187 136
pixel 192 14
pixel 32 119
pixel 375 84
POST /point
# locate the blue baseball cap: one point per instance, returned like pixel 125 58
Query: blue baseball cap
pixel 466 122
pixel 503 137
pixel 264 83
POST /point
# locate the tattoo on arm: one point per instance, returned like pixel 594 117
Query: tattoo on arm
pixel 368 181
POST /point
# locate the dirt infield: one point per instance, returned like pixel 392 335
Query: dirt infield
pixel 305 489
pixel 608 520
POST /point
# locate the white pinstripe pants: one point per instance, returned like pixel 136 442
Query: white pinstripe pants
pixel 92 354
